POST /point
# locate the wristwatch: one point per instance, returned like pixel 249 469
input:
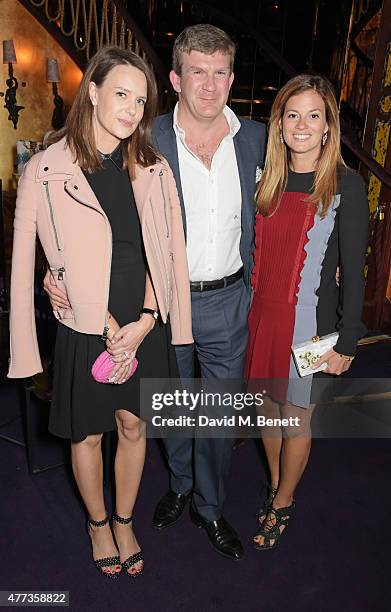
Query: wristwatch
pixel 151 312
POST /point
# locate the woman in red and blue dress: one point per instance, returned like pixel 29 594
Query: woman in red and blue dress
pixel 312 219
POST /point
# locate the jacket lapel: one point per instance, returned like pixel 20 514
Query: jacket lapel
pixel 79 189
pixel 57 164
pixel 165 142
pixel 142 185
pixel 247 182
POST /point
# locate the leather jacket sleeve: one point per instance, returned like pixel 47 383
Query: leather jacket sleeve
pixel 25 359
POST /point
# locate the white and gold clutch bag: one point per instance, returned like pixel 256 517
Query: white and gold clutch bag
pixel 306 353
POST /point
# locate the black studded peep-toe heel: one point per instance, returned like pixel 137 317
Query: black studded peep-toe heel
pixel 133 559
pixel 105 561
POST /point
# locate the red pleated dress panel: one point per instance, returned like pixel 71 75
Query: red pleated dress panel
pixel 279 257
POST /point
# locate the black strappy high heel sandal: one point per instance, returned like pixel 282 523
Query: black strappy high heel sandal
pixel 266 504
pixel 105 561
pixel 273 526
pixel 133 559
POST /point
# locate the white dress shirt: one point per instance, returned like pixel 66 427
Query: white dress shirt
pixel 213 202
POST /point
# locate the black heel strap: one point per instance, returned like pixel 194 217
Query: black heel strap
pixel 288 510
pixel 132 560
pixel 268 501
pixel 121 519
pixel 98 523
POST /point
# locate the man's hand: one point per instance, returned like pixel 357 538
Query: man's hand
pixel 335 363
pixel 58 299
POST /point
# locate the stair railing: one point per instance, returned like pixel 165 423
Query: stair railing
pixel 355 147
pixel 83 26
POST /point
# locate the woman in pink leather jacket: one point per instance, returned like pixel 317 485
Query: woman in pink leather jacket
pixel 105 208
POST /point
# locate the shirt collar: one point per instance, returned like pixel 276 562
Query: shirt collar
pixel 233 122
pixel 115 156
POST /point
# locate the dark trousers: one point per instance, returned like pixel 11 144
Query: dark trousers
pixel 220 339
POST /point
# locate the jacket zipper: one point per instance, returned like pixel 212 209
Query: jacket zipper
pixel 52 215
pixel 168 235
pixel 164 263
pixel 60 271
pixel 169 289
pixel 106 326
pixel 164 200
pixel 103 337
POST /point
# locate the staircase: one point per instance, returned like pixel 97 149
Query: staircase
pixel 82 27
pixel 346 39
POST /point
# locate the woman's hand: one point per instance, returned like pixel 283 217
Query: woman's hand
pixel 112 325
pixel 335 363
pixel 122 369
pixel 124 344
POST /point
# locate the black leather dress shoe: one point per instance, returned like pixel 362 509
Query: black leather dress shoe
pixel 222 536
pixel 169 509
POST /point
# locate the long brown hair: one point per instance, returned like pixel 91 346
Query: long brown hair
pixel 78 129
pixel 275 176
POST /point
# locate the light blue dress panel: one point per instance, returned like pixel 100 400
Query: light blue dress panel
pixel 299 389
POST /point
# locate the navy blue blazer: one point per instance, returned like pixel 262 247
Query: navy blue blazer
pixel 249 148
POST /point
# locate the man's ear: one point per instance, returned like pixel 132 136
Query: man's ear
pixel 175 81
pixel 231 79
pixel 93 93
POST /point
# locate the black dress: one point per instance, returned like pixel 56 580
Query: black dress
pixel 80 405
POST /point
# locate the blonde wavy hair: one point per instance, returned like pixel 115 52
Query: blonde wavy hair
pixel 275 175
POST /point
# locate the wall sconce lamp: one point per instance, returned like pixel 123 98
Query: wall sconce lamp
pixel 9 57
pixel 53 77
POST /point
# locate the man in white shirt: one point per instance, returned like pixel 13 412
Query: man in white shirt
pixel 214 157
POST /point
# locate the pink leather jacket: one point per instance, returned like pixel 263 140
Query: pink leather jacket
pixel 56 202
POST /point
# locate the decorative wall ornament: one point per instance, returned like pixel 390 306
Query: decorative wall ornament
pixel 53 77
pixel 9 57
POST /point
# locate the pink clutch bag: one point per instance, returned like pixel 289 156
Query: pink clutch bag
pixel 104 365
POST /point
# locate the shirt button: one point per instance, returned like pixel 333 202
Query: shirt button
pixel 209 269
pixel 212 210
